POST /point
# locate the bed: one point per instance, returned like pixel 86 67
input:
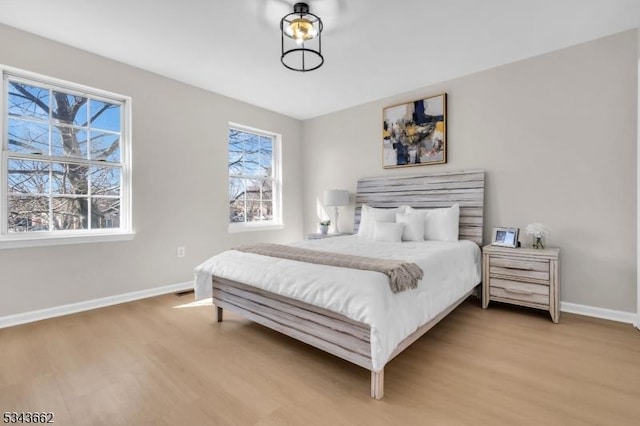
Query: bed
pixel 348 313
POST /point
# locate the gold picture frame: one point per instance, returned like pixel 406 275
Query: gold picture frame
pixel 415 133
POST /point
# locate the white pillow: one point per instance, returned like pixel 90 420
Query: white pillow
pixel 443 224
pixel 388 232
pixel 370 215
pixel 414 223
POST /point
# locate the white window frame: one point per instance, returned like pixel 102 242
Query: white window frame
pixel 49 238
pixel 277 222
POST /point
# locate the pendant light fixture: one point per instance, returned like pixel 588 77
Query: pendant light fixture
pixel 301 39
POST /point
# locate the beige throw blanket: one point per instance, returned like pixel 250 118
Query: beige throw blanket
pixel 402 275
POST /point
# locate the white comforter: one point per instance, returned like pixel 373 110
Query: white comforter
pixel 450 270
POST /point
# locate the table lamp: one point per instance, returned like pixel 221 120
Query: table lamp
pixel 336 198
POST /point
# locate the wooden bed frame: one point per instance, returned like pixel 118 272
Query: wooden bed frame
pixel 332 332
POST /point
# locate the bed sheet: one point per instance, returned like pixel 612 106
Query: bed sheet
pixel 451 269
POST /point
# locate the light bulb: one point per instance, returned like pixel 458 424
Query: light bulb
pixel 301 29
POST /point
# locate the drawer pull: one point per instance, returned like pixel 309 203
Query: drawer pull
pixel 518 291
pixel 520 268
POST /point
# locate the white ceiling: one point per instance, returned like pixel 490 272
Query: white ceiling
pixel 372 48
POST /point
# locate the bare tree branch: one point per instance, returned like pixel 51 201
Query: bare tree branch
pixel 97 114
pixel 29 96
pixel 109 150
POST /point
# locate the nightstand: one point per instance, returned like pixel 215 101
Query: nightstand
pixel 319 236
pixel 521 276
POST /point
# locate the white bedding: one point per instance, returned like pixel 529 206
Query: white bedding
pixel 450 270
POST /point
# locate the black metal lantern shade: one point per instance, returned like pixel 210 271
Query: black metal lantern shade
pixel 301 33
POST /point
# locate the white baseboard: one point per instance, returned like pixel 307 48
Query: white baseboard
pixel 592 311
pixel 26 317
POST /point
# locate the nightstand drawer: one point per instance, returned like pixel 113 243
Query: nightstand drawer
pixel 515 290
pixel 519 268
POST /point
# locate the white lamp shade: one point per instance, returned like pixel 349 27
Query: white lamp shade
pixel 335 197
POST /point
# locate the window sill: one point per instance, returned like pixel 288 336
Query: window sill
pixel 252 227
pixel 12 241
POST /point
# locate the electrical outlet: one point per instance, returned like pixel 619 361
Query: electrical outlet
pixel 181 251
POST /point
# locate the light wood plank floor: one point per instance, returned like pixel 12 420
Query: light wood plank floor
pixel 154 362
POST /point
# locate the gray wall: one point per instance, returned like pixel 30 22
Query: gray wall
pixel 556 135
pixel 179 184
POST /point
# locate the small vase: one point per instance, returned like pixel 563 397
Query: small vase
pixel 537 242
pixel 324 229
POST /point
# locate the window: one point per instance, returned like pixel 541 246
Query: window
pixel 254 179
pixel 65 170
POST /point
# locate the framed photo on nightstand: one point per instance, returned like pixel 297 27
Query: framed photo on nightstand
pixel 505 237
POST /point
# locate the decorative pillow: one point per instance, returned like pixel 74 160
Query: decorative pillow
pixel 414 223
pixel 370 215
pixel 388 231
pixel 442 224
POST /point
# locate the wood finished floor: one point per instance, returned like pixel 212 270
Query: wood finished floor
pixel 154 362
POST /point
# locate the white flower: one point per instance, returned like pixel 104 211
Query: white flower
pixel 537 230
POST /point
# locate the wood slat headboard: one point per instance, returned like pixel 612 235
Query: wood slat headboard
pixel 466 188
